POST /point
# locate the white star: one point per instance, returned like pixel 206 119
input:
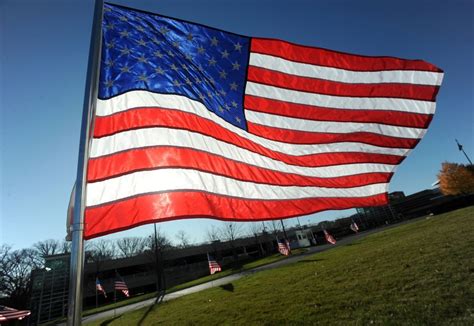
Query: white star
pixel 212 62
pixel 238 120
pixel 110 26
pixel 140 28
pixel 237 47
pixel 214 41
pixel 163 30
pixel 233 86
pixel 158 54
pixel 109 83
pixel 201 49
pixel 141 42
pixel 223 74
pixel 125 51
pixel 234 104
pixel 225 54
pixel 160 71
pixel 235 66
pixel 176 83
pixel 123 18
pixel 124 33
pixel 125 69
pixel 173 67
pixel 143 77
pixel 142 59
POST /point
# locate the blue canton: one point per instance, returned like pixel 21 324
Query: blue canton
pixel 163 55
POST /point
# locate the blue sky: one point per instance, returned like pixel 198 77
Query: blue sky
pixel 44 51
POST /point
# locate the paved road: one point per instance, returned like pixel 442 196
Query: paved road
pixel 233 277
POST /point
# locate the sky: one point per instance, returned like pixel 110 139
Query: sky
pixel 44 47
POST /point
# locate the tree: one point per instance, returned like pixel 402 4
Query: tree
pixel 183 239
pixel 48 247
pixel 231 231
pixel 131 246
pixel 99 251
pixel 15 273
pixel 213 234
pixel 456 179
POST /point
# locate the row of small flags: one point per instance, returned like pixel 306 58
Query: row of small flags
pixel 283 248
pixel 119 285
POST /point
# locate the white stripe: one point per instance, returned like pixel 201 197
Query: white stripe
pixel 339 102
pixel 137 99
pixel 345 76
pixel 331 126
pixel 182 138
pixel 179 179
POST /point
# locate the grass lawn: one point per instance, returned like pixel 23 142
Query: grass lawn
pixel 416 274
pixel 208 278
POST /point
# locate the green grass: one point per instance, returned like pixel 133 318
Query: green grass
pixel 416 274
pixel 227 271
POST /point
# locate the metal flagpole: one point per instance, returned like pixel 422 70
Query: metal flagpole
pixel 460 147
pixel 90 96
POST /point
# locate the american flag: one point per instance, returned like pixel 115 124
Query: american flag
pixel 9 314
pixel 99 287
pixel 329 238
pixel 213 265
pixel 284 247
pixel 120 285
pixel 354 227
pixel 193 121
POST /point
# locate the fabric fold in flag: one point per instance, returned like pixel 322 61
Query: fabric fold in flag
pixel 192 121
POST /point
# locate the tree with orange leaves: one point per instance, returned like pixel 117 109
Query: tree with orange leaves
pixel 456 179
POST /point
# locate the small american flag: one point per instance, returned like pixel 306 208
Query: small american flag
pixel 120 285
pixel 354 227
pixel 329 238
pixel 99 287
pixel 284 247
pixel 8 314
pixel 213 265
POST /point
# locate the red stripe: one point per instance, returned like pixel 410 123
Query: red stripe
pixel 306 137
pixel 328 58
pixel 176 205
pixel 156 117
pixel 172 157
pixel 319 86
pixel 308 112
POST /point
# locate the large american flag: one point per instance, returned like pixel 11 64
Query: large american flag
pixel 8 314
pixel 213 265
pixel 193 121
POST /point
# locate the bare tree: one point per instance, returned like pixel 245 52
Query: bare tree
pixel 273 227
pixel 231 231
pixel 163 242
pixel 256 229
pixel 131 246
pixel 15 273
pixel 183 239
pixel 213 234
pixel 98 251
pixel 48 247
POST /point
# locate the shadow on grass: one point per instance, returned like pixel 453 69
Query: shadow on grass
pixel 310 260
pixel 108 321
pixel 159 299
pixel 228 287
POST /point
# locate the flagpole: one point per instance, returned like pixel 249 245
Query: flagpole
pixel 77 250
